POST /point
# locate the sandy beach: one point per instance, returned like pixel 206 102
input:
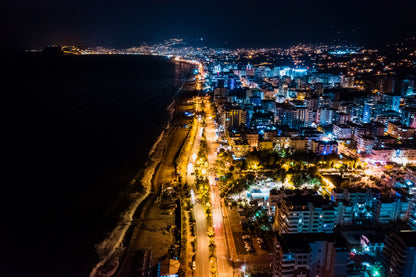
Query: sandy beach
pixel 146 224
pixel 153 223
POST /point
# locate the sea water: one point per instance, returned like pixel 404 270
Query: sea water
pixel 77 130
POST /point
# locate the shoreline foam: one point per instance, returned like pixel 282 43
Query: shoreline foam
pixel 111 249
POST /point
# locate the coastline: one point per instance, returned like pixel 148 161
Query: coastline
pixel 113 248
pixel 154 226
pixel 89 150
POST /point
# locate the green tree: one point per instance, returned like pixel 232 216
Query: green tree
pixel 253 161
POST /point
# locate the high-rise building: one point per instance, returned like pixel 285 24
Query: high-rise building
pixel 299 144
pixel 355 204
pixel 294 117
pixel 409 117
pixel 325 116
pixel 392 102
pixel 297 213
pixel 404 87
pixel 412 215
pixel 342 118
pixel 318 254
pixel 312 103
pixel 250 70
pixel 391 210
pixel 400 131
pixel 368 113
pixel 342 131
pixel 253 140
pixel 365 144
pixel 399 254
pixel 324 147
pixel 233 117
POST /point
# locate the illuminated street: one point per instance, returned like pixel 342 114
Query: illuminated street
pixel 224 268
pixel 202 253
pixel 203 140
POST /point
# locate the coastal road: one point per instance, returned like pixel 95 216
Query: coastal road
pixel 224 267
pixel 202 253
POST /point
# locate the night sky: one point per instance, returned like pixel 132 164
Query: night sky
pixel 221 23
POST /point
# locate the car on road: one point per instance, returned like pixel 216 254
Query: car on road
pixel 193 265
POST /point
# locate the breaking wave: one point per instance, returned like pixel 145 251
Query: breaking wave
pixel 111 249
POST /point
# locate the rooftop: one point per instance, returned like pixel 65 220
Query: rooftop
pixel 300 242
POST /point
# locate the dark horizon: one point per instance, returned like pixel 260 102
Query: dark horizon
pixel 218 23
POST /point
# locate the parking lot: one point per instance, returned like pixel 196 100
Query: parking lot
pixel 252 250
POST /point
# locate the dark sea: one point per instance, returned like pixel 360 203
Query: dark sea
pixel 75 131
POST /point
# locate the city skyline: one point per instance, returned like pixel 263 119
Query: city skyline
pixel 211 139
